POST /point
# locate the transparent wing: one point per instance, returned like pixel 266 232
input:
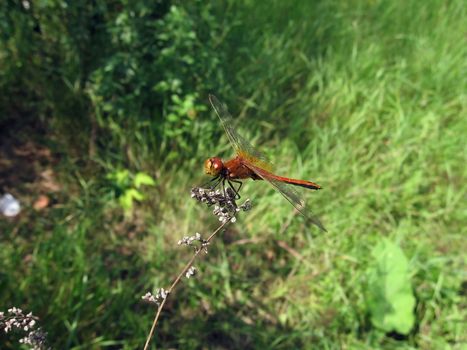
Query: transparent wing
pixel 290 193
pixel 241 146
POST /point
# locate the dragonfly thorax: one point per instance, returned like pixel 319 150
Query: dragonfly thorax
pixel 214 166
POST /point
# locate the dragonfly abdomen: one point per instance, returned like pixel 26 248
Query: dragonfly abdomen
pixel 302 183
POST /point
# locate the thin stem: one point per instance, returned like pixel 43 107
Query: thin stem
pixel 176 281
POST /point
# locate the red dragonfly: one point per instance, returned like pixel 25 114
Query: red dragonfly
pixel 250 163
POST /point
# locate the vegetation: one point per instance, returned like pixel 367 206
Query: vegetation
pixel 104 110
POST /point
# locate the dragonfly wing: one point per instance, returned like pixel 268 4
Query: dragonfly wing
pixel 242 147
pixel 290 193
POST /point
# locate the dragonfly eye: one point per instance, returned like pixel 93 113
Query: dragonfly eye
pixel 213 166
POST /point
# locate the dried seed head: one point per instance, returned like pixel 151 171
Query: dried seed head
pixel 191 272
pixel 225 206
pixel 16 319
pixel 157 299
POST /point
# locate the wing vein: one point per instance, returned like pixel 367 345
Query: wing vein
pixel 289 192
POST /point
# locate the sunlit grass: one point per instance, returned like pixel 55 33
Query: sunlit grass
pixel 365 98
pixel 378 124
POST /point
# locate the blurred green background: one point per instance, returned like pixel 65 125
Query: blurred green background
pixel 105 124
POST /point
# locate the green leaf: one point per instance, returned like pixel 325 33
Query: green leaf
pixel 120 178
pixel 126 200
pixel 143 179
pixel 390 296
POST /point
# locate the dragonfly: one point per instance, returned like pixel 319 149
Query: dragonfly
pixel 249 163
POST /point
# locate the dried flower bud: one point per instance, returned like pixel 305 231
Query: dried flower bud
pixel 195 241
pixel 225 206
pixel 15 319
pixel 191 272
pixel 157 299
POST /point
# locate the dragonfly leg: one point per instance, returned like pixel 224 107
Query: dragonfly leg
pixel 213 183
pixel 216 183
pixel 236 190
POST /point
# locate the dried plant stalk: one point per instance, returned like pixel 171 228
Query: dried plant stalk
pixel 225 208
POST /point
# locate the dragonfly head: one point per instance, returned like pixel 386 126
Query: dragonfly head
pixel 213 166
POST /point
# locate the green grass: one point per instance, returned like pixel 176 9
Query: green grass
pixel 366 98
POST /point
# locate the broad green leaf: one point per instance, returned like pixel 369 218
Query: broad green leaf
pixel 143 179
pixel 120 178
pixel 126 200
pixel 390 296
